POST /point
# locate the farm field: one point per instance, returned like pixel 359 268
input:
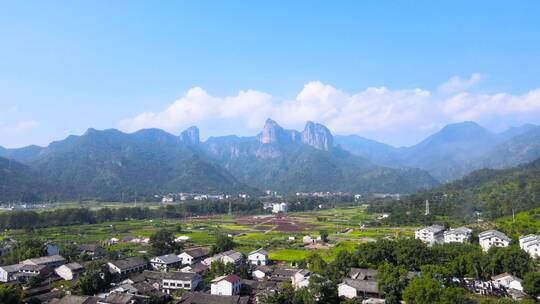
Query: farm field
pixel 280 235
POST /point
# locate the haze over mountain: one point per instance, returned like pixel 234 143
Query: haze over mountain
pixel 454 151
pixel 110 164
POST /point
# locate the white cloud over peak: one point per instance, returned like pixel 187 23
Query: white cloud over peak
pixel 394 116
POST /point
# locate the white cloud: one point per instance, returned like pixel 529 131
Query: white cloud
pixel 457 84
pixel 395 116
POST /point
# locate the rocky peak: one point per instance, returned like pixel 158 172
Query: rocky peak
pixel 271 133
pixel 317 136
pixel 190 136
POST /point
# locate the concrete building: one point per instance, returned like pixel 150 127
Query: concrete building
pixel 530 244
pixel 280 207
pixel 70 271
pixel 493 238
pixel 126 266
pixel 173 281
pixel 430 235
pixel 51 261
pixel 165 262
pixel 193 255
pixel 258 257
pixel 457 235
pixel 229 285
pixel 507 280
pixel 353 288
pixel 7 272
pixel 300 278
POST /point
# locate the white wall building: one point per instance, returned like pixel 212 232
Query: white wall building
pixel 193 255
pixel 458 235
pixel 258 257
pixel 226 285
pixel 280 207
pixel 430 235
pixel 300 278
pixel 507 280
pixel 173 281
pixel 530 244
pixel 70 271
pixel 165 262
pixel 493 238
pixel 7 272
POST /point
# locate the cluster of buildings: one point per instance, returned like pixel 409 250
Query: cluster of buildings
pixel 436 234
pixel 174 197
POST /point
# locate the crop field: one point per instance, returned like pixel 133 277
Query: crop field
pixel 280 235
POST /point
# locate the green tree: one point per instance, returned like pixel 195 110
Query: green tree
pixel 509 259
pixel 391 280
pixel 10 294
pixel 531 284
pixel 162 242
pixel 422 290
pixel 222 243
pixel 324 235
pixel 69 251
pixel 97 278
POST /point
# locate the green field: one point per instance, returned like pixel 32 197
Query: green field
pixel 347 227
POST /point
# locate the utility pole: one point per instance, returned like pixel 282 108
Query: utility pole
pixel 230 208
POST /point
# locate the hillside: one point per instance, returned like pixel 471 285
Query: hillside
pixel 290 161
pixel 454 151
pixel 20 183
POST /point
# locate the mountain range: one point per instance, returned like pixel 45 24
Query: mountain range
pixel 112 165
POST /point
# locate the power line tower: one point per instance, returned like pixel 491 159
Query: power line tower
pixel 427 208
pixel 230 208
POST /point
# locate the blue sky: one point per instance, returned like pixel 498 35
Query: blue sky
pixel 392 71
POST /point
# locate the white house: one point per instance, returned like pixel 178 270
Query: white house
pixel 280 207
pixel 300 278
pixel 352 288
pixel 193 255
pixel 261 272
pixel 430 235
pixel 258 257
pixel 530 244
pixel 7 272
pixel 226 257
pixel 127 266
pixel 165 262
pixel 226 285
pixel 507 280
pixel 180 280
pixel 458 235
pixel 70 271
pixel 494 238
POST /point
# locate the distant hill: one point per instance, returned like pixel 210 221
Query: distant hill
pixel 454 151
pixel 111 164
pixel 20 183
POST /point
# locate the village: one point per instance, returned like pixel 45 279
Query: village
pixel 201 273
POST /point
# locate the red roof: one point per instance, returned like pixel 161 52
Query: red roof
pixel 232 278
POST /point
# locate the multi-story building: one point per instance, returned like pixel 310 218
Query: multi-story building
pixel 430 235
pixel 493 238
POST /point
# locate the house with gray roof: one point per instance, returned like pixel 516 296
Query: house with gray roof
pixel 165 262
pixel 493 238
pixel 7 272
pixel 126 266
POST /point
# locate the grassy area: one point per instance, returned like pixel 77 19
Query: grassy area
pixel 523 223
pixel 201 232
